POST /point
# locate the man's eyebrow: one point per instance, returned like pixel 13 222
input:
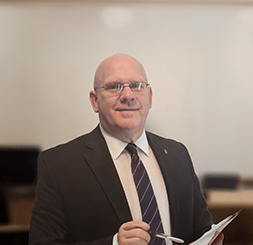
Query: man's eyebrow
pixel 120 81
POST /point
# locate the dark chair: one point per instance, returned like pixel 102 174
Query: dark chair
pixel 3 208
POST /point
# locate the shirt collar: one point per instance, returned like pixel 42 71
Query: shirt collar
pixel 116 146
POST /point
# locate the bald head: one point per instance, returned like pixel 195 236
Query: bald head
pixel 122 115
pixel 114 62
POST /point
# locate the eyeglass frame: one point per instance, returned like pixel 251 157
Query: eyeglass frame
pixel 122 86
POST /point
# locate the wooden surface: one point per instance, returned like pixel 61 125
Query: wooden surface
pixel 19 209
pixel 230 198
pixel 222 203
pixel 13 228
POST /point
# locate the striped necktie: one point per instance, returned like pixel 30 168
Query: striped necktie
pixel 148 203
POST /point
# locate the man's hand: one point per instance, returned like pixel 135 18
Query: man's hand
pixel 134 233
pixel 218 240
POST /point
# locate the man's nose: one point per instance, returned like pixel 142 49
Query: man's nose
pixel 127 95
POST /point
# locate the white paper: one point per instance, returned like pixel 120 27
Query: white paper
pixel 215 230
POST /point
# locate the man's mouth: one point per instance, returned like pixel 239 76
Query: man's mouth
pixel 133 109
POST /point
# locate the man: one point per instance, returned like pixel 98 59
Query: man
pixel 86 192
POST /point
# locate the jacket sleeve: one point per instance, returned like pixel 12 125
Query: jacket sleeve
pixel 49 224
pixel 202 219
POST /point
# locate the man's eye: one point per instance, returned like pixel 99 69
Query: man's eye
pixel 113 86
pixel 136 85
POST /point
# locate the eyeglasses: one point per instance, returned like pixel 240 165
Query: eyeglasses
pixel 116 88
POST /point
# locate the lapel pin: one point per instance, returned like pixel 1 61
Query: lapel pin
pixel 165 151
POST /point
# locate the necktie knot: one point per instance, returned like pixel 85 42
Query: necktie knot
pixel 131 148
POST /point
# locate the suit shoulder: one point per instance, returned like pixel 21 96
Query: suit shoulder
pixel 162 140
pixel 76 146
pixel 68 146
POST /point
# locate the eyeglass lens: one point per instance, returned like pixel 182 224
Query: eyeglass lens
pixel 118 87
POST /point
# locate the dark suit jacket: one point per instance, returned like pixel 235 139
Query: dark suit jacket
pixel 80 199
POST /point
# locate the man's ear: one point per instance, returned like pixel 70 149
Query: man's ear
pixel 150 91
pixel 93 101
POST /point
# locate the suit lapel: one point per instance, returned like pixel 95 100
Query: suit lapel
pixel 101 163
pixel 168 169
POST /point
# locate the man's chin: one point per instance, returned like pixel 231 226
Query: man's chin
pixel 128 114
pixel 129 125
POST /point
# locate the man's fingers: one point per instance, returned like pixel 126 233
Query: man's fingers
pixel 135 224
pixel 134 232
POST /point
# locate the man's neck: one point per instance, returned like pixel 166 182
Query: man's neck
pixel 128 136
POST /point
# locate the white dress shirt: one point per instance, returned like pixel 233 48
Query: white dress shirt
pixel 122 161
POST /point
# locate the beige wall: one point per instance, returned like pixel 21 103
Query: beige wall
pixel 199 60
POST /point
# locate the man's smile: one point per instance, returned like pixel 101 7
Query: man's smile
pixel 128 109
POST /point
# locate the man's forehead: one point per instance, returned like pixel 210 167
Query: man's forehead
pixel 123 69
pixel 124 76
pixel 120 67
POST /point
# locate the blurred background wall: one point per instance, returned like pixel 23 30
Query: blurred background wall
pixel 198 57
